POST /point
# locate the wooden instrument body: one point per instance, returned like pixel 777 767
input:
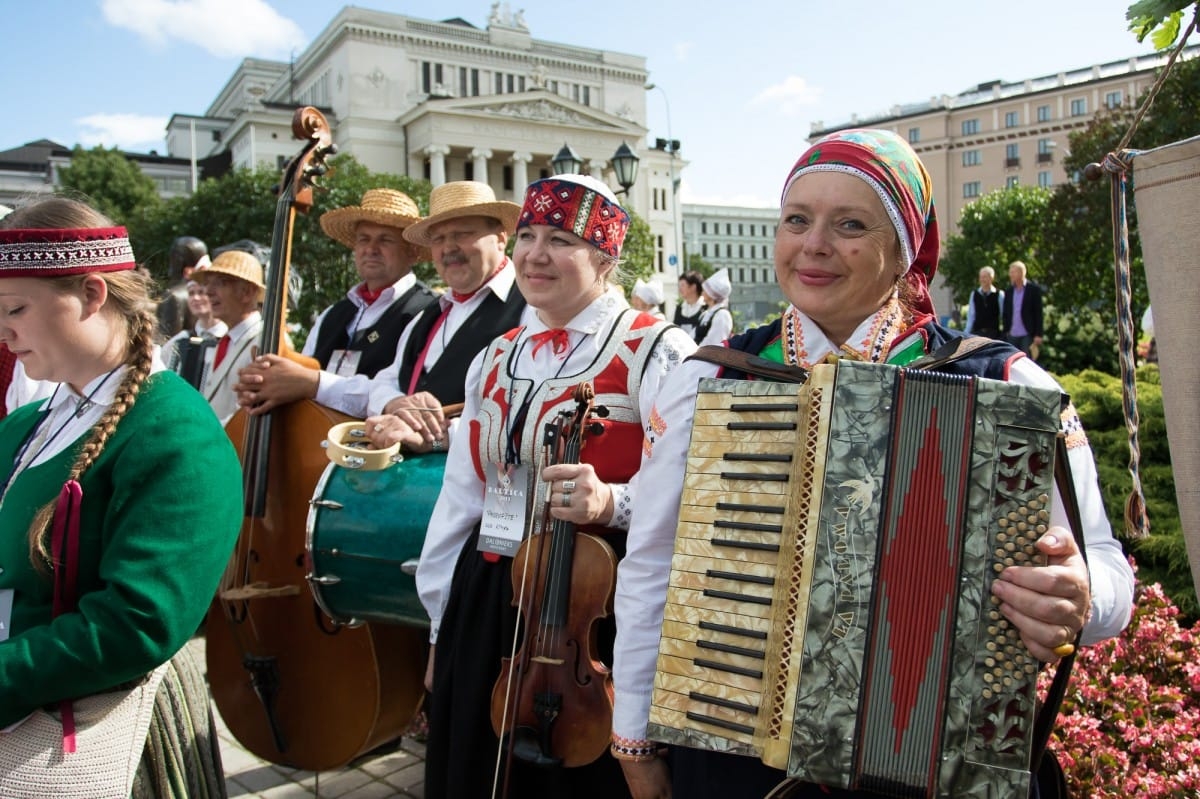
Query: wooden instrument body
pixel 552 703
pixel 829 607
pixel 293 687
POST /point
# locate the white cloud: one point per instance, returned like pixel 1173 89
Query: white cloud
pixel 225 28
pixel 790 97
pixel 127 131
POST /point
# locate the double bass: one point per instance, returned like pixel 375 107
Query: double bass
pixel 293 687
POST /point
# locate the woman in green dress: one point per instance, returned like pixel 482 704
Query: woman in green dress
pixel 120 501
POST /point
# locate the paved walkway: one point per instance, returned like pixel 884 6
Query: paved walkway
pixel 397 770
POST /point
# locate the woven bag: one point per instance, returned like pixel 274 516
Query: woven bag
pixel 1166 189
pixel 110 733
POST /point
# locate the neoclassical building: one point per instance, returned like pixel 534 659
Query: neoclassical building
pixel 448 101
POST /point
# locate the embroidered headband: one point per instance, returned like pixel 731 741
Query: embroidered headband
pixel 578 204
pixel 28 252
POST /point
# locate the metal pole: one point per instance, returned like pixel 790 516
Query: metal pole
pixel 676 235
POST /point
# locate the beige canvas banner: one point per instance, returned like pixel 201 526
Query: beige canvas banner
pixel 1166 183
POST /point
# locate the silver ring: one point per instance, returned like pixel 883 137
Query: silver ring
pixel 437 444
pixel 378 428
pixel 568 485
pixel 566 500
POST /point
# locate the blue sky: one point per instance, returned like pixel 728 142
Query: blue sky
pixel 743 81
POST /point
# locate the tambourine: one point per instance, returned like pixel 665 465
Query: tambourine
pixel 347 445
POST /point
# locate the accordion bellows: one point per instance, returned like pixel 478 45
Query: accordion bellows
pixel 829 608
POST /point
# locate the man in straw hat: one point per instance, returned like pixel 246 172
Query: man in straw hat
pixel 356 336
pixel 467 231
pixel 235 287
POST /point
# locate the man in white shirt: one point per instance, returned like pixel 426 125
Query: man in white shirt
pixel 467 231
pixel 235 287
pixel 357 336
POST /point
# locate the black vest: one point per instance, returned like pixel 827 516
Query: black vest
pixel 447 379
pixel 987 312
pixel 376 343
pixel 693 320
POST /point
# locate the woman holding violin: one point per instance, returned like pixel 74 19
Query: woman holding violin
pixel 500 661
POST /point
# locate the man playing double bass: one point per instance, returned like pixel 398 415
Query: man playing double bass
pixel 467 231
pixel 355 337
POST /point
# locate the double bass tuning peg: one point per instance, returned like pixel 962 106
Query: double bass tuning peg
pixel 601 411
pixel 595 428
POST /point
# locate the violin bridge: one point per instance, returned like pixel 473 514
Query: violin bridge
pixel 547 661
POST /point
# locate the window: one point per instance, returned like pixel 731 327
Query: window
pixel 704 227
pixel 1012 155
pixel 971 158
pixel 507 177
pixel 704 250
pixel 1044 180
pixel 914 135
pixel 970 127
pixel 1112 99
pixel 1012 181
pixel 1079 107
pixel 1046 151
pixel 1012 119
pixel 971 189
pixel 741 275
pixel 1043 113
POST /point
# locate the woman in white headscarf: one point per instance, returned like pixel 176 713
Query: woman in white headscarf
pixel 716 323
pixel 648 298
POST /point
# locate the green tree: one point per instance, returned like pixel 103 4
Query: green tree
pixel 1003 226
pixel 243 204
pixel 696 262
pixel 637 252
pixel 112 183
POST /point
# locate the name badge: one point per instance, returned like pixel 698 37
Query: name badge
pixel 345 362
pixel 6 600
pixel 503 524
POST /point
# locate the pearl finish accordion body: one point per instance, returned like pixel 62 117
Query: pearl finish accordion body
pixel 829 608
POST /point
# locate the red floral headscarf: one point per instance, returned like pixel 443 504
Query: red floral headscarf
pixel 893 170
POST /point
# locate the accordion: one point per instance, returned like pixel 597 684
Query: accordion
pixel 829 608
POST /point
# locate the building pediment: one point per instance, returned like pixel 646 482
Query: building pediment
pixel 534 106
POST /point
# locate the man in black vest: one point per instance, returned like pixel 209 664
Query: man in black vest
pixel 467 231
pixel 983 310
pixel 357 336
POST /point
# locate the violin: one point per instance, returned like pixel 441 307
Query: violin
pixel 553 701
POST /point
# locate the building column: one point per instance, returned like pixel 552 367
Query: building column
pixel 595 168
pixel 520 165
pixel 437 163
pixel 479 157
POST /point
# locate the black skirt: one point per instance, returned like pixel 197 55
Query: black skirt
pixel 461 752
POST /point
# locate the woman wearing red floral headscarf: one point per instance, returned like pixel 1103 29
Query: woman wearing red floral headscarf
pixel 856 246
pixel 576 328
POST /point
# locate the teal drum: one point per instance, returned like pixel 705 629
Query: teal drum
pixel 364 535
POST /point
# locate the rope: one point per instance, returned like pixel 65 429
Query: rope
pixel 1117 165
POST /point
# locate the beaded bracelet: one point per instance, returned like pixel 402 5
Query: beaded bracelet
pixel 634 750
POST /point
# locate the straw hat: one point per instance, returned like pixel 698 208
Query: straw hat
pixel 234 263
pixel 462 198
pixel 386 207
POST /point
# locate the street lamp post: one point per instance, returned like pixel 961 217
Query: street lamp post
pixel 672 148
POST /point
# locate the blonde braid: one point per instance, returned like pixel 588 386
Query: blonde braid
pixel 141 327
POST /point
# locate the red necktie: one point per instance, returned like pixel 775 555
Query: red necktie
pixel 556 338
pixel 369 295
pixel 222 348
